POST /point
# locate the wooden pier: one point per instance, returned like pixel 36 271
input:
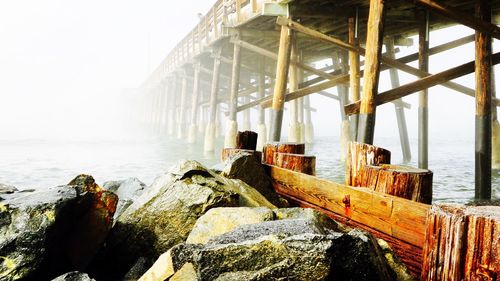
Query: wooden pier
pixel 264 54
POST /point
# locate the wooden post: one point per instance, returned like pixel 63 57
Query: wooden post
pixel 164 107
pixel 261 92
pixel 483 106
pixel 343 92
pixel 293 76
pixel 400 111
pixel 209 145
pixel 354 77
pixel 309 126
pixel 182 108
pixel 271 149
pixel 373 54
pixel 360 155
pixel 194 103
pixel 172 107
pixel 284 53
pixel 296 162
pixel 232 124
pixel 246 140
pixel 423 112
pixel 245 124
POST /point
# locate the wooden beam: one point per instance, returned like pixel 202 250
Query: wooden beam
pixel 400 218
pixel 423 83
pixel 354 78
pixel 423 99
pixel 374 41
pixel 274 56
pixel 282 66
pixel 384 59
pixel 461 17
pixel 483 71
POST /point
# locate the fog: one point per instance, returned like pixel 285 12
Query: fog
pixel 64 66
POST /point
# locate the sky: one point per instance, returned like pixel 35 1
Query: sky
pixel 64 63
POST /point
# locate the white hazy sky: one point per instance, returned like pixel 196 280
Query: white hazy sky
pixel 63 63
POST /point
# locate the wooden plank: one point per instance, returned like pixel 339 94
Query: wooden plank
pixel 462 17
pixel 397 217
pixel 423 83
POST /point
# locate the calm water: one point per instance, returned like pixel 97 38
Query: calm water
pixel 45 163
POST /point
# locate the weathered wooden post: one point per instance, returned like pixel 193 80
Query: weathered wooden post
pixel 210 131
pixel 232 123
pixel 245 122
pixel 354 77
pixel 308 126
pixel 373 54
pixel 261 92
pixel 293 76
pixel 343 92
pixel 194 103
pixel 423 112
pixel 400 111
pixel 285 49
pixel 182 108
pixel 483 105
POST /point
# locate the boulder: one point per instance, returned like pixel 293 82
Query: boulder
pixel 73 276
pixel 165 214
pixel 186 273
pixel 244 166
pixel 52 231
pixel 7 189
pixel 221 220
pixel 127 190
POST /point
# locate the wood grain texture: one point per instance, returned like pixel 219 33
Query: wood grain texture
pixel 296 162
pixel 270 149
pixel 401 181
pixel 360 155
pixel 397 217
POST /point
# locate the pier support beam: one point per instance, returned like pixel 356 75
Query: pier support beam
pixel 209 145
pixel 343 93
pixel 373 54
pixel 164 107
pixel 423 111
pixel 232 123
pixel 285 49
pixel 172 107
pixel 261 92
pixel 182 108
pixel 483 73
pixel 308 126
pixel 293 76
pixel 354 77
pixel 194 104
pixel 400 111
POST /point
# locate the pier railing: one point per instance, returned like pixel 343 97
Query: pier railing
pixel 212 27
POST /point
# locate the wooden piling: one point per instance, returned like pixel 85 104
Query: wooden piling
pixel 360 155
pixel 285 49
pixel 232 125
pixel 172 107
pixel 194 103
pixel 423 111
pixel 209 144
pixel 483 106
pixel 308 126
pixel 246 140
pixel 270 150
pixel 261 92
pixel 400 111
pixel 293 76
pixel 182 108
pixel 354 77
pixel 296 162
pixel 374 40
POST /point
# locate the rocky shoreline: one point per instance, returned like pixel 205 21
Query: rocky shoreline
pixel 191 223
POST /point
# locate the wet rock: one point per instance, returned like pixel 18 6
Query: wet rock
pixel 244 166
pixel 396 265
pixel 310 214
pixel 221 220
pixel 127 190
pixel 51 231
pixel 7 189
pixel 165 214
pixel 73 276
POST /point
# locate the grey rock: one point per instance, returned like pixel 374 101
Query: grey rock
pixel 138 269
pixel 127 190
pixel 7 189
pixel 73 276
pixel 244 166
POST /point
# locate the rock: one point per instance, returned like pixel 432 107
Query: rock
pixel 186 273
pixel 73 276
pixel 162 269
pixel 397 266
pixel 165 214
pixel 127 190
pixel 52 231
pixel 221 220
pixel 300 244
pixel 244 166
pixel 7 189
pixel 140 266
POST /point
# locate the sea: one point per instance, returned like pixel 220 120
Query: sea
pixel 42 163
